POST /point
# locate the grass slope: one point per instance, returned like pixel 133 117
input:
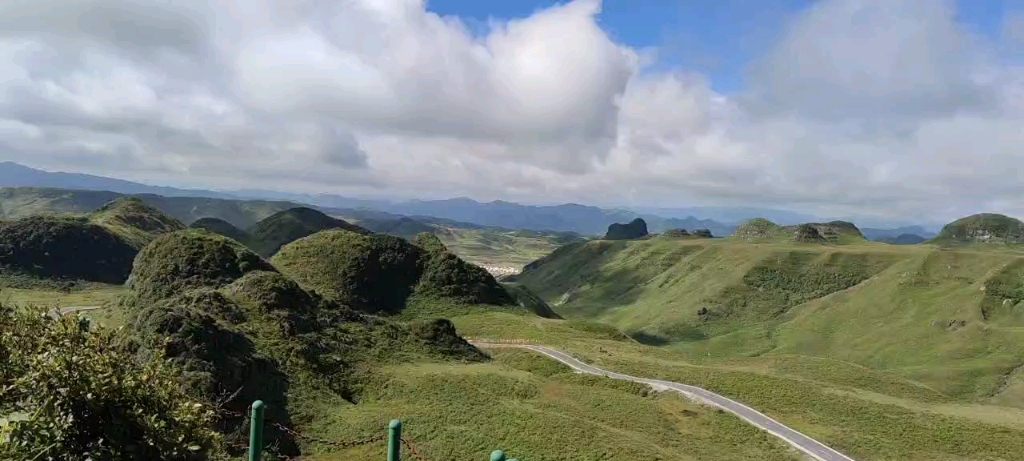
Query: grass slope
pixel 949 320
pixel 134 220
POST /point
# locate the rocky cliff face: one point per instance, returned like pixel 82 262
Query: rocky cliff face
pixel 635 229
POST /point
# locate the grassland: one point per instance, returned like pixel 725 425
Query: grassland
pixel 501 247
pixel 530 406
pixel 948 318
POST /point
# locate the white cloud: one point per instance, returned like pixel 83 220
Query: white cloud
pixel 883 108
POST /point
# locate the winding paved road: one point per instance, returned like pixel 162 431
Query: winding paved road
pixel 814 448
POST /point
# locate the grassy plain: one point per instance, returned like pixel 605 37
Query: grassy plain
pixel 536 409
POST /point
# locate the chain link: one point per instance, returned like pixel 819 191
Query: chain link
pixel 412 449
pixel 308 438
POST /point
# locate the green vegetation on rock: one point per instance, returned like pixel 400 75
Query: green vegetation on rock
pixel 379 273
pixel 760 230
pixel 68 248
pixel 269 235
pixel 982 228
pixel 190 259
pixel 134 220
pixel 429 242
pixel 374 273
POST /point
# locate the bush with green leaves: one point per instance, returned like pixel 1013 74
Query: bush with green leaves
pixel 73 392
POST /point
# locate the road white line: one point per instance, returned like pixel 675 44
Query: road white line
pixel 813 448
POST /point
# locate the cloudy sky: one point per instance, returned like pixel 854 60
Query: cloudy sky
pixel 908 109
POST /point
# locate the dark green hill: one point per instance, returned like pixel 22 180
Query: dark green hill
pixel 371 272
pixel 221 227
pixel 634 229
pixel 69 248
pixel 134 220
pixel 763 230
pixel 190 259
pixel 242 331
pixel 982 228
pixel 280 229
pixel 402 227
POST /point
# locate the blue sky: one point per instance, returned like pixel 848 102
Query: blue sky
pixel 715 37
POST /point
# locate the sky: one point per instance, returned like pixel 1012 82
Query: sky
pixel 883 109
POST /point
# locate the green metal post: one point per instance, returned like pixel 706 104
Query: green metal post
pixel 497 455
pixel 394 440
pixel 256 431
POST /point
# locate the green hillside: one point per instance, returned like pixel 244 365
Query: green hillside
pixel 477 244
pixel 950 320
pixel 221 227
pixel 982 228
pixel 18 202
pixel 280 229
pixel 381 273
pixel 134 220
pixel 760 230
pixel 62 248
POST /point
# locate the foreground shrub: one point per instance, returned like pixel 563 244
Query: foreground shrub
pixel 74 393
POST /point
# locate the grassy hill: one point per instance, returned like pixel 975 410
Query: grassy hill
pixel 272 233
pixel 134 220
pixel 221 227
pixel 62 248
pixel 478 244
pixel 982 228
pixel 950 320
pixel 763 231
pixel 885 352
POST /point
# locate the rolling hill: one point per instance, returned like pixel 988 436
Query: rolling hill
pixel 222 227
pixel 982 228
pixel 947 318
pixel 269 235
pixel 479 244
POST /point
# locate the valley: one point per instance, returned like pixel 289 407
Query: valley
pixel 878 351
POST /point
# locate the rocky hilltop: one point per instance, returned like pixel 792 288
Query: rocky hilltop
pixel 634 229
pixel 760 230
pixel 983 228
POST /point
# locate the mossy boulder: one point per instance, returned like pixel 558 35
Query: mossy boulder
pixel 58 247
pixel 373 273
pixel 634 229
pixel 185 260
pixel 221 227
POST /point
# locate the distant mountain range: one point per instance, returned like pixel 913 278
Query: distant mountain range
pixel 582 219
